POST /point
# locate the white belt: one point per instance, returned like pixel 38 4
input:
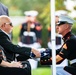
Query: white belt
pixel 73 61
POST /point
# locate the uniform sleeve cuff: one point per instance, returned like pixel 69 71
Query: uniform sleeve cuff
pixel 32 55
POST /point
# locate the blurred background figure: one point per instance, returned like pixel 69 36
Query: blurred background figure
pixel 32 28
pixel 3 9
pixel 59 42
pixel 30 33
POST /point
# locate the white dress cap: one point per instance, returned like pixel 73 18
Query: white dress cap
pixel 60 12
pixel 67 19
pixel 32 13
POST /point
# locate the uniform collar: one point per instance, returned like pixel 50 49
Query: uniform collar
pixel 67 36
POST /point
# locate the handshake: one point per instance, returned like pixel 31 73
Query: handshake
pixel 45 56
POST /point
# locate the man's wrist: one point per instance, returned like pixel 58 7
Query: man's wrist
pixel 32 55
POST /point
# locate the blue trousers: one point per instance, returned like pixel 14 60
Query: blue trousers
pixel 61 71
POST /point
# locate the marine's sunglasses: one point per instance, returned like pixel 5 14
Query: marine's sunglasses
pixel 9 24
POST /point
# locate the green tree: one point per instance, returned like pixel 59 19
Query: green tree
pixel 24 5
pixel 45 17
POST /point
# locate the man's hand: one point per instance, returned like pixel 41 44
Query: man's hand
pixel 12 64
pixel 36 53
pixel 16 64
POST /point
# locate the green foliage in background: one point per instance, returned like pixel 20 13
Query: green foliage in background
pixel 16 31
pixel 74 28
pixel 24 5
pixel 59 4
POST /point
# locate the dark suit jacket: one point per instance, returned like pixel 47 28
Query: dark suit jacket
pixel 10 49
pixel 3 9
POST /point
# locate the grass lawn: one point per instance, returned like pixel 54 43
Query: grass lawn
pixel 42 71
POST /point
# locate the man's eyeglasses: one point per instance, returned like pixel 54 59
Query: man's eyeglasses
pixel 9 24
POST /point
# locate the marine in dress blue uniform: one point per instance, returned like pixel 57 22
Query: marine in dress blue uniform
pixel 31 25
pixel 67 51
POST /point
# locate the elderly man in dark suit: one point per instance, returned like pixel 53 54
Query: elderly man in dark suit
pixel 6 67
pixel 10 49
